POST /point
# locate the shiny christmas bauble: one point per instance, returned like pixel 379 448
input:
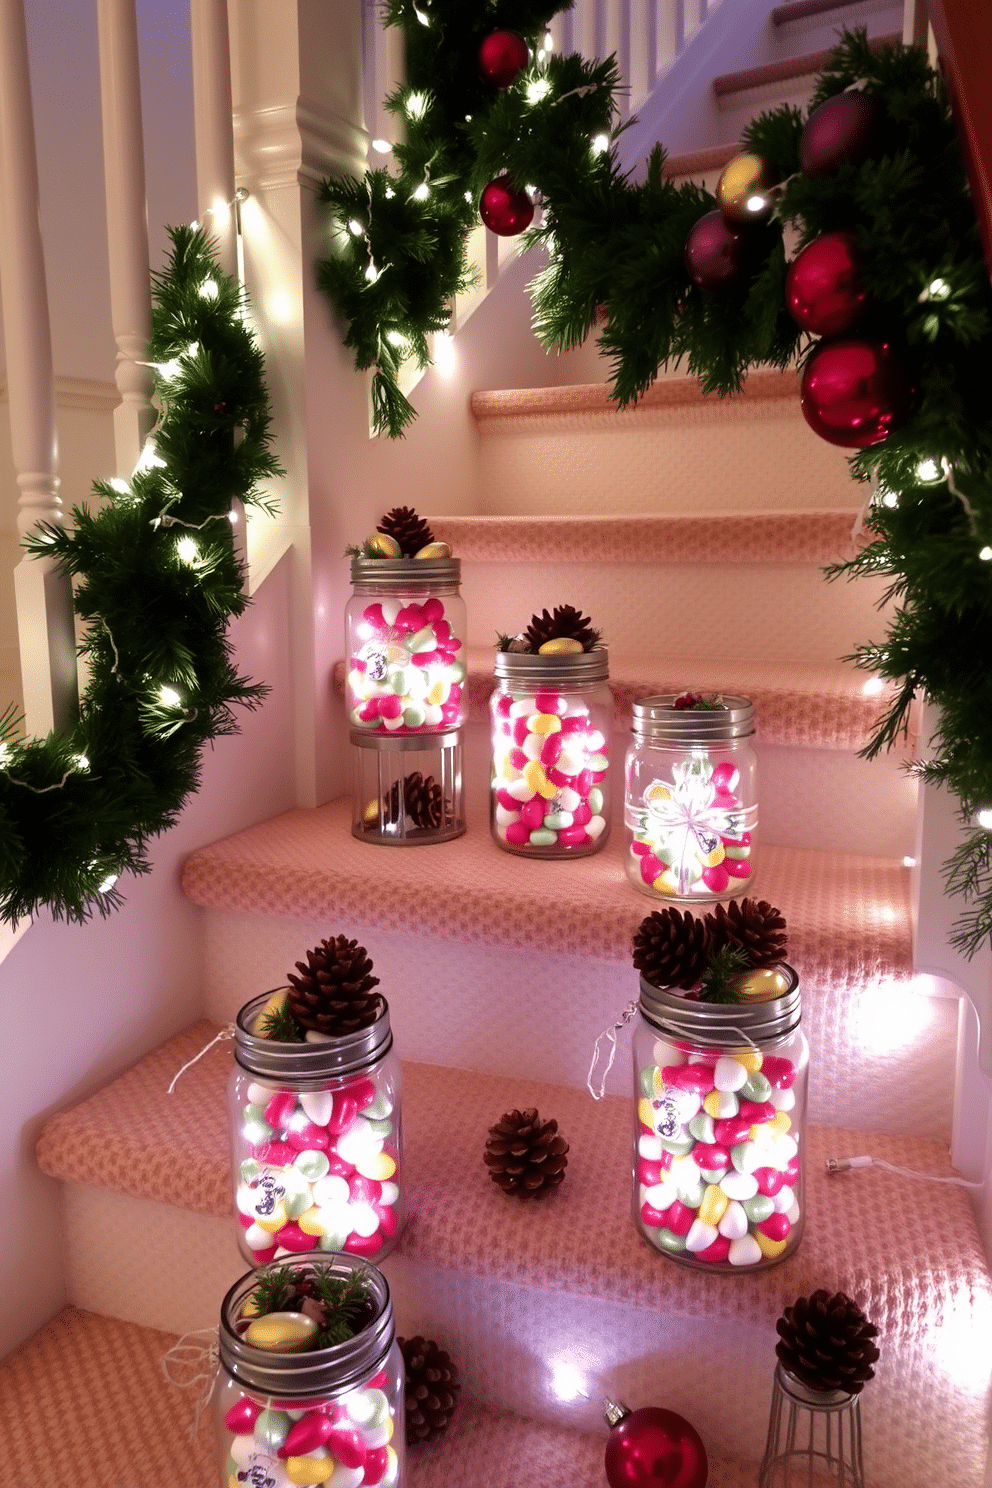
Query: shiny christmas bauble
pixel 655 1448
pixel 745 191
pixel 714 252
pixel 504 209
pixel 503 55
pixel 842 129
pixel 825 288
pixel 855 393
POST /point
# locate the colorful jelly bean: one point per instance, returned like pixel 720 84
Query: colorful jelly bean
pixel 405 674
pixel 345 1440
pixel 550 762
pixel 691 836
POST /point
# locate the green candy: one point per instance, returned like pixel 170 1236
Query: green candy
pixel 397 681
pixel 756 1088
pixel 312 1165
pixel 378 1109
pixel 598 762
pixel 414 717
pixel 666 1240
pixel 712 1175
pixel 457 672
pixel 543 837
pixel 255 1112
pixel 556 820
pixel 272 1429
pixel 677 1146
pixel 740 1155
pixel 296 1204
pixel 381 1128
pixel 334 1241
pixel 596 801
pixel 645 1080
pixel 702 1127
pixel 250 1170
pixel 758 1208
pixel 691 1194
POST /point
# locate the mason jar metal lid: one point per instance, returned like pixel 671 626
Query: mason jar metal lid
pixel 405 573
pixel 300 1063
pixel 718 1024
pixel 333 1370
pixel 582 666
pixel 658 718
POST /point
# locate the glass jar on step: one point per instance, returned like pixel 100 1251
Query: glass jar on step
pixel 551 722
pixel 690 799
pixel 329 1415
pixel 405 636
pixel 316 1141
pixel 720 1108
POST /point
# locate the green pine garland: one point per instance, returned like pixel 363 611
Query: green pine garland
pixel 156 580
pixel 615 258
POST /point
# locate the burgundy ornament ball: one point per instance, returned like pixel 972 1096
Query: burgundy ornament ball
pixel 855 393
pixel 503 55
pixel 841 129
pixel 714 252
pixel 825 288
pixel 505 210
pixel 655 1448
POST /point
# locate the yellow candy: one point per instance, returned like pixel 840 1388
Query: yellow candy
pixel 309 1470
pixel 752 1059
pixel 311 1223
pixel 380 1166
pixel 714 858
pixel 645 1110
pixel 371 812
pixel 273 1221
pixel 561 646
pixel 764 984
pixel 535 776
pixel 232 1481
pixel 714 1205
pixel 390 1426
pixel 718 1106
pixel 781 1121
pixel 544 723
pixel 275 1004
pixel 282 1332
pixel 769 1247
pixel 666 883
pixel 434 550
pixel 658 1080
pixel 508 771
pixel 384 546
pixel 657 793
pixel 438 693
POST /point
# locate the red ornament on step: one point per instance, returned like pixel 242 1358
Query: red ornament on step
pixel 841 129
pixel 714 252
pixel 504 209
pixel 503 55
pixel 653 1448
pixel 855 393
pixel 825 288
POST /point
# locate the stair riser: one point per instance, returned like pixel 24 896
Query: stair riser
pixel 881 1060
pixel 817 33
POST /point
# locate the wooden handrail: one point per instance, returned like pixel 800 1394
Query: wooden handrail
pixel 963 32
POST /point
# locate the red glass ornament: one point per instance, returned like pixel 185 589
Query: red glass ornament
pixel 855 393
pixel 714 252
pixel 825 288
pixel 505 210
pixel 503 55
pixel 654 1448
pixel 841 129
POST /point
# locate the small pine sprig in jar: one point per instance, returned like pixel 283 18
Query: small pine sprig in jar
pixel 293 1309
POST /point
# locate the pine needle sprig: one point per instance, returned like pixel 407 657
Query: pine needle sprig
pixel 275 1290
pixel 722 980
pixel 281 1028
pixel 345 1301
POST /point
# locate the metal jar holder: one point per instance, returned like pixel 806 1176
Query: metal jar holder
pixel 814 1437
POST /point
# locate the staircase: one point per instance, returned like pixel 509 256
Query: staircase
pixel 694 532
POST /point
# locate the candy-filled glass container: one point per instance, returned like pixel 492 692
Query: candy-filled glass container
pixel 316 1140
pixel 293 1408
pixel 405 636
pixel 551 719
pixel 720 1105
pixel 690 797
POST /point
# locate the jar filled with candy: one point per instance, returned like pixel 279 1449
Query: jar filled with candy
pixel 311 1377
pixel 719 1089
pixel 690 797
pixel 315 1115
pixel 551 717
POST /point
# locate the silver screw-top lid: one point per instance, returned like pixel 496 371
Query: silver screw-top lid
pixel 308 1062
pixel 343 1366
pixel 658 719
pixel 717 1024
pixel 406 574
pixel 531 671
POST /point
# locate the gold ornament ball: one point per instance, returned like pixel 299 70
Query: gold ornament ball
pixel 381 545
pixel 561 646
pixel 434 550
pixel 745 191
pixel 764 984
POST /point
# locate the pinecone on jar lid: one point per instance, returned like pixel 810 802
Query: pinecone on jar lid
pixel 825 1342
pixel 431 1391
pixel 752 926
pixel 333 993
pixel 672 948
pixel 421 800
pixel 410 530
pixel 525 1155
pixel 565 624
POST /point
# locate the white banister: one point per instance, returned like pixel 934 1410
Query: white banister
pixel 127 225
pixel 214 126
pixel 43 595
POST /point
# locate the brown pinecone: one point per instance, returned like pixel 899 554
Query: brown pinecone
pixel 752 926
pixel 826 1343
pixel 672 948
pixel 410 530
pixel 421 800
pixel 431 1391
pixel 565 621
pixel 525 1155
pixel 333 993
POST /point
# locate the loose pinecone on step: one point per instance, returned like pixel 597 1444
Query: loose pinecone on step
pixel 333 992
pixel 826 1343
pixel 672 949
pixel 410 530
pixel 752 926
pixel 421 798
pixel 565 621
pixel 431 1391
pixel 525 1155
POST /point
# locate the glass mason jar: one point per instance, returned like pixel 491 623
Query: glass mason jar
pixel 331 1415
pixel 720 1105
pixel 551 722
pixel 405 636
pixel 316 1142
pixel 407 791
pixel 690 799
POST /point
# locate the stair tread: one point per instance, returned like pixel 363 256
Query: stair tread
pixel 849 915
pixel 799 10
pixel 592 398
pixel 807 64
pixel 868 1234
pixel 701 162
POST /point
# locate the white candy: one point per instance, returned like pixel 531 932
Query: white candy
pixel 792 1215
pixel 784 1200
pixel 700 1235
pixel 783 1100
pixel 390 609
pixel 729 1074
pixel 649 1148
pixel 318 1105
pixel 571 760
pixel 595 826
pixel 523 708
pixel 739 1185
pixel 505 818
pixel 358 1142
pixel 664 1054
pixel 532 746
pixel 345 1477
pixel 734 1222
pixel 433 713
pixel 364 1220
pixel 660 1195
pixel 260 1095
pixel 390 1193
pixel 258 1239
pixel 331 1191
pixel 595 741
pixel 569 798
pixel 744 1252
pixel 520 790
pixel 727 1104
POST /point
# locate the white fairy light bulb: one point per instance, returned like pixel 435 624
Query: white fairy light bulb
pixel 985 554
pixel 422 192
pixel 984 818
pixel 928 471
pixel 873 687
pixel 209 290
pixel 107 883
pixel 358 228
pixel 169 697
pixel 395 338
pixel 938 289
pixel 120 486
pixel 600 144
pixel 889 498
pixel 169 370
pixel 390 193
pixel 371 273
pixel 383 146
pixel 149 458
pixel 549 42
pixel 424 20
pixel 537 89
pixel 186 549
pixel 416 105
pixel 81 762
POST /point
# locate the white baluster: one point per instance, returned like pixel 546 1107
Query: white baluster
pixel 641 51
pixel 585 37
pixel 214 126
pixel 668 34
pixel 127 225
pixel 614 28
pixel 44 603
